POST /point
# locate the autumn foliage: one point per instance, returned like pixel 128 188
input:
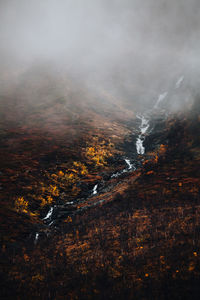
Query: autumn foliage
pixel 137 239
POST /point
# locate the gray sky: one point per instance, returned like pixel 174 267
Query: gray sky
pixel 133 48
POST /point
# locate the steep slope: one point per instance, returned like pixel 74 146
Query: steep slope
pixel 130 236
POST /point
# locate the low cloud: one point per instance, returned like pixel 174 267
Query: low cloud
pixel 133 49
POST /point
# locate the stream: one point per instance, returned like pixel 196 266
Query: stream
pixel 145 128
pixel 55 212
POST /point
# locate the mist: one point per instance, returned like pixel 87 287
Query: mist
pixel 134 50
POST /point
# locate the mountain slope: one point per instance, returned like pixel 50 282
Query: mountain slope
pixel 136 238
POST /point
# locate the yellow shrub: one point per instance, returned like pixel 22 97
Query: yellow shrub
pixel 43 201
pixel 38 277
pixel 68 220
pixel 81 168
pixel 49 199
pixel 61 174
pixel 53 190
pixel 70 178
pixel 99 152
pixel 21 205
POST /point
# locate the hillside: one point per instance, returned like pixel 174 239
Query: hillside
pixel 85 213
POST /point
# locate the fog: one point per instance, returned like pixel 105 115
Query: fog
pixel 133 49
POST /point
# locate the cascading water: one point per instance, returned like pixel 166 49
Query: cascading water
pixel 144 126
pixel 143 129
pixel 94 191
pixel 36 238
pixel 49 214
pixel 128 162
pixel 161 97
pixel 179 82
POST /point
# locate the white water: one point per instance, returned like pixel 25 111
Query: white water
pixel 51 223
pixel 161 97
pixel 139 146
pixel 36 238
pixel 49 214
pixel 94 191
pixel 130 167
pixel 143 129
pixel 115 175
pixel 179 82
pixel 145 122
pixel 128 163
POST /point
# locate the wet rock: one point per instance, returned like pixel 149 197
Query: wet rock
pixel 85 189
pixel 116 160
pixel 105 176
